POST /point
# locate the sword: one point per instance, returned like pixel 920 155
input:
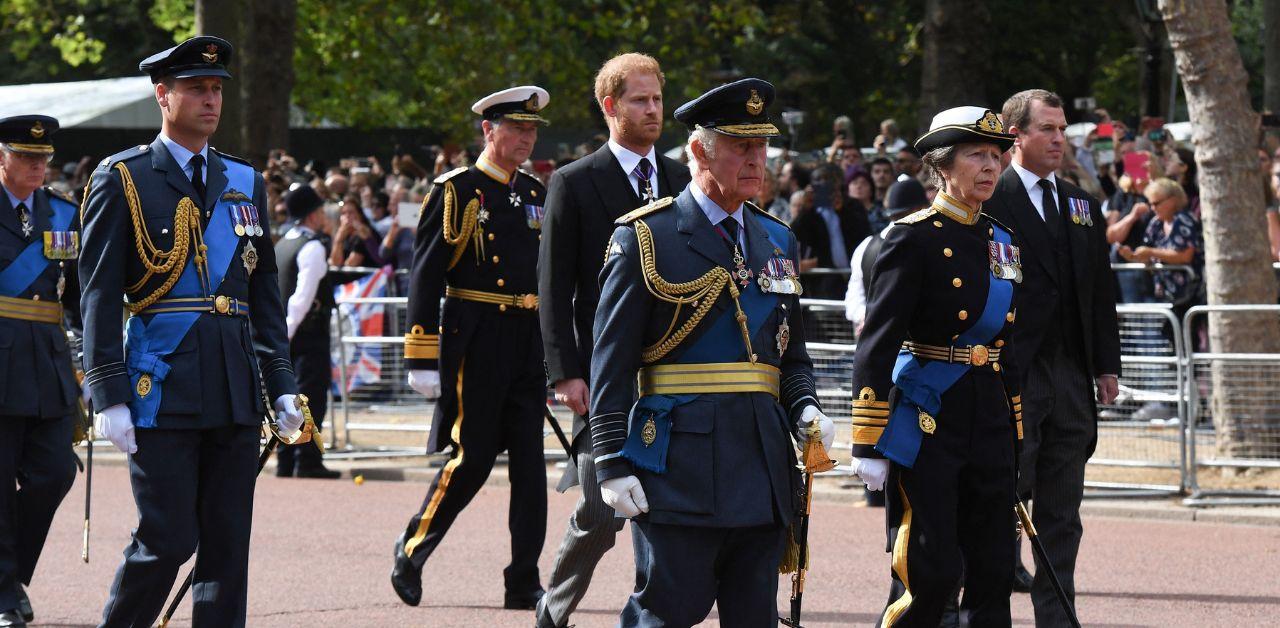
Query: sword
pixel 816 460
pixel 1038 548
pixel 555 427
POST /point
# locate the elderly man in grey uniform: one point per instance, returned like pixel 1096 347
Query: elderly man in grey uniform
pixel 700 299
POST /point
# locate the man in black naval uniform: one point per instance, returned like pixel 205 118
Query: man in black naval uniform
pixel 583 200
pixel 699 310
pixel 38 391
pixel 937 407
pixel 477 247
pixel 178 233
pixel 308 297
pixel 1069 340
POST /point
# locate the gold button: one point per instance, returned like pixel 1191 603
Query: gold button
pixel 35 297
pixel 956 337
pixel 534 193
pixel 947 252
pixel 999 343
pixel 502 308
pixel 1009 317
pixel 956 282
pixel 937 223
pixel 963 315
pixel 501 283
pixel 495 259
pixel 996 367
pixel 490 237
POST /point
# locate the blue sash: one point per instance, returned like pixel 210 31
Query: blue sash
pixel 146 346
pixel 31 262
pixel 921 387
pixel 722 342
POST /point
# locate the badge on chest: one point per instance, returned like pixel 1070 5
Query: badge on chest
pixel 779 277
pixel 1080 212
pixel 244 215
pixel 1006 261
pixel 61 244
pixel 533 215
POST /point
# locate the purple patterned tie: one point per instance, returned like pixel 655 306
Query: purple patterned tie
pixel 643 173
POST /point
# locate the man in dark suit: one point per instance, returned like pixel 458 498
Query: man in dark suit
pixel 830 232
pixel 583 200
pixel 39 238
pixel 699 304
pixel 178 232
pixel 1066 338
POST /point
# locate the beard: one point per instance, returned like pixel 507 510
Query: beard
pixel 637 131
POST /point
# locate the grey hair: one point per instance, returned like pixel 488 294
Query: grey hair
pixel 707 138
pixel 937 160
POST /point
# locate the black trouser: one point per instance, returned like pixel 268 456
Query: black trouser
pixel 37 468
pixel 1060 435
pixel 950 516
pixel 496 399
pixel 194 491
pixel 682 570
pixel 309 350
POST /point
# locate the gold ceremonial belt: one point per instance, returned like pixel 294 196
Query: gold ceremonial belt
pixel 221 304
pixel 976 355
pixel 31 310
pixel 720 377
pixel 503 301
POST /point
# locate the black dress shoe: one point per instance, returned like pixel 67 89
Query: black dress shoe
pixel 522 601
pixel 406 578
pixel 319 472
pixel 24 605
pixel 1022 579
pixel 12 619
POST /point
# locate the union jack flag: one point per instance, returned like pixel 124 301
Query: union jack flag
pixel 364 360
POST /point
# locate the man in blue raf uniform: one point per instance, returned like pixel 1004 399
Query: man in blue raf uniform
pixel 937 407
pixel 477 247
pixel 38 391
pixel 178 232
pixel 700 298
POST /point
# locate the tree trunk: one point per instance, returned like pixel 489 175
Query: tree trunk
pixel 224 18
pixel 1237 269
pixel 955 60
pixel 1271 56
pixel 267 68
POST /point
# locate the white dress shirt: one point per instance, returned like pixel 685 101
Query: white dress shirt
pixel 183 157
pixel 855 297
pixel 1031 181
pixel 715 214
pixel 312 267
pixel 629 160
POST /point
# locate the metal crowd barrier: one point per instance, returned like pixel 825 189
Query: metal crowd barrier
pixel 1234 414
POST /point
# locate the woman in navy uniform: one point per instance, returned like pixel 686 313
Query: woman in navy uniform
pixel 699 310
pixel 178 232
pixel 477 247
pixel 937 407
pixel 38 391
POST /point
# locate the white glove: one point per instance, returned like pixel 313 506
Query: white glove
pixel 624 495
pixel 288 415
pixel 425 382
pixel 873 472
pixel 116 423
pixel 826 428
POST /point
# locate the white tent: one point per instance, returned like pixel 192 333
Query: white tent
pixel 119 103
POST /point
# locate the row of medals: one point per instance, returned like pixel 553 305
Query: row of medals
pixel 780 284
pixel 247 226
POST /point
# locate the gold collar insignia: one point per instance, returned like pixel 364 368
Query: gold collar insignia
pixel 956 209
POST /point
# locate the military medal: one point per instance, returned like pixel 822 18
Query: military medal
pixel 1080 212
pixel 61 245
pixel 779 277
pixel 514 198
pixel 143 387
pixel 24 217
pixel 740 267
pixel 784 333
pixel 649 432
pixel 927 424
pixel 62 279
pixel 1006 261
pixel 249 257
pixel 533 215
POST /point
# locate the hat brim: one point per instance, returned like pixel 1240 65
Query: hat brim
pixel 525 117
pixel 945 136
pixel 34 149
pixel 747 130
pixel 199 72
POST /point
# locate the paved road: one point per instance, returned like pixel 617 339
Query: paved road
pixel 321 555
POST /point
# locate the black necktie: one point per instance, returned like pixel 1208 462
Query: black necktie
pixel 730 227
pixel 24 217
pixel 197 177
pixel 1052 218
pixel 643 173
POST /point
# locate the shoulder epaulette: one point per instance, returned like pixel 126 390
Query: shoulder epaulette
pixel 641 212
pixel 914 217
pixel 766 214
pixel 997 222
pixel 58 194
pixel 125 155
pixel 232 157
pixel 450 174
